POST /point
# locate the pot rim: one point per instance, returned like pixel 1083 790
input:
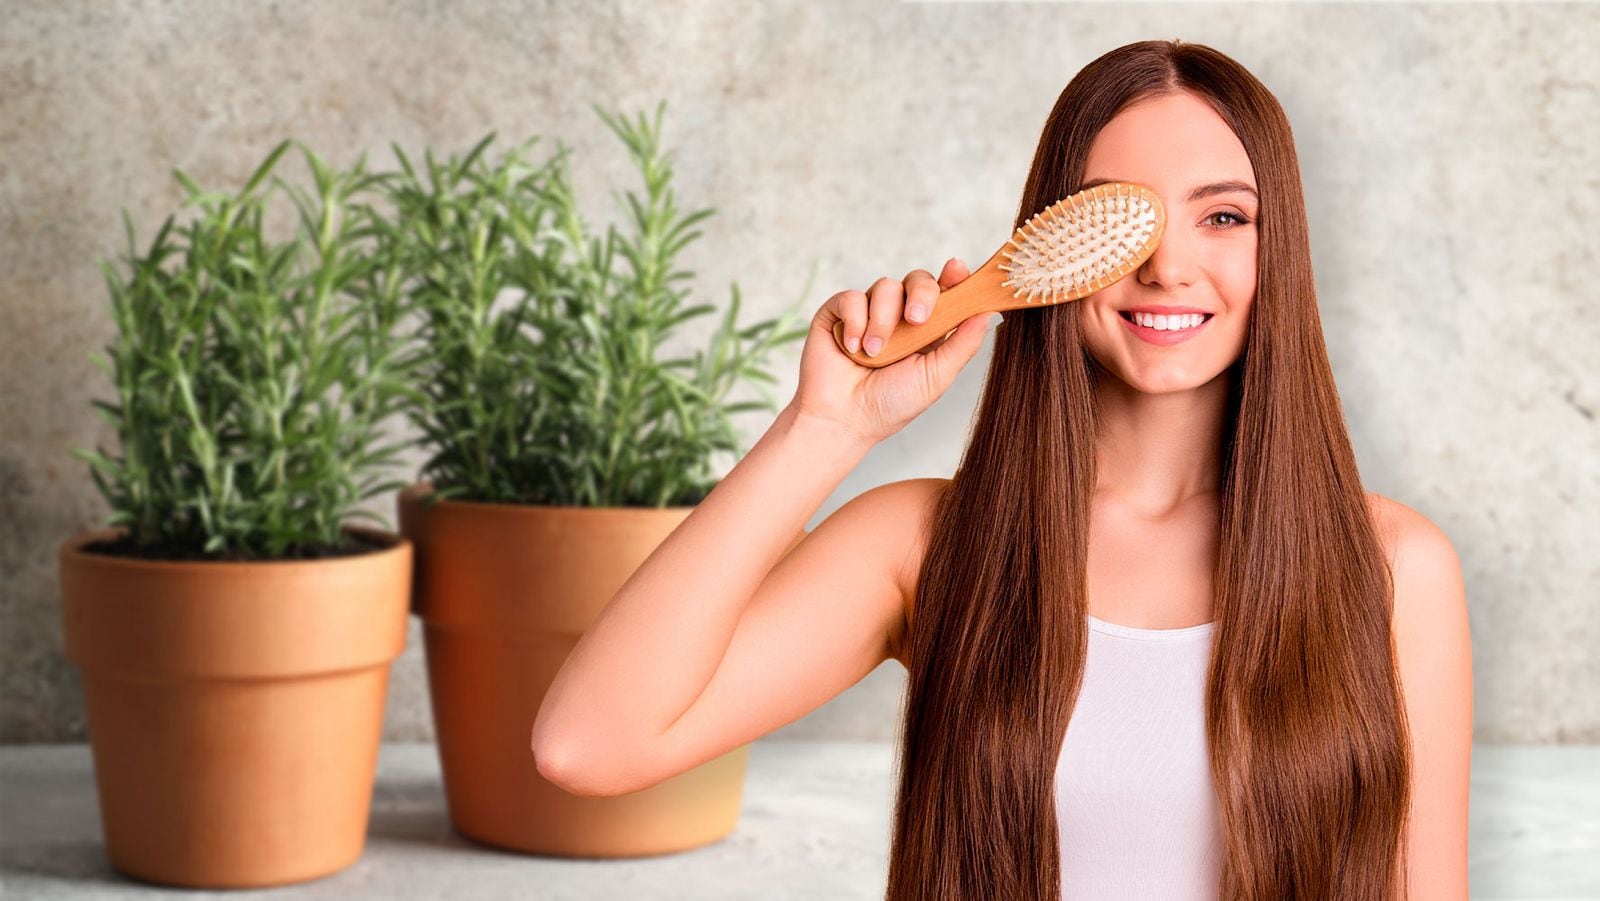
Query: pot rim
pixel 71 550
pixel 413 494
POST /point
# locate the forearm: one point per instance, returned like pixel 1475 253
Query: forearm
pixel 656 645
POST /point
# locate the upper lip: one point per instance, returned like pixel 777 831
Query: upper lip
pixel 1158 310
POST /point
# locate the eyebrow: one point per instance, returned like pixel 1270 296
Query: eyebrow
pixel 1200 193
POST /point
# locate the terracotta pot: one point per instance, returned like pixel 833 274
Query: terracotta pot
pixel 504 592
pixel 234 708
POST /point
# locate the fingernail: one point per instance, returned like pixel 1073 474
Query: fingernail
pixel 917 312
pixel 853 343
pixel 995 319
pixel 874 344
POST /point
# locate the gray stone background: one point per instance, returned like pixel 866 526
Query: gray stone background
pixel 1449 153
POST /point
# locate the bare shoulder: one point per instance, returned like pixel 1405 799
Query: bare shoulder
pixel 911 503
pixel 907 508
pixel 1427 570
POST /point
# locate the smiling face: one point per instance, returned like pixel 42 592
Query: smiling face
pixel 1180 148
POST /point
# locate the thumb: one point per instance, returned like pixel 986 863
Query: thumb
pixel 957 350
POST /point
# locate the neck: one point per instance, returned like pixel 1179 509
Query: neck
pixel 1154 452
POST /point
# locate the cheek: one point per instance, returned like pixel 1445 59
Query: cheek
pixel 1104 338
pixel 1234 276
pixel 1236 288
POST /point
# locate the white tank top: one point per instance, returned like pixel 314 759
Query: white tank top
pixel 1135 805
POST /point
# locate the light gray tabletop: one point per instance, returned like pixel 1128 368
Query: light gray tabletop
pixel 814 825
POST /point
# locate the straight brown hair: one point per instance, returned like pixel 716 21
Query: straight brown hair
pixel 1305 722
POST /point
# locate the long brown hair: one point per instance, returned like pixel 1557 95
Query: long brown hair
pixel 1305 722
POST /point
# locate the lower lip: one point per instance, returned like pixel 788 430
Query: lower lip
pixel 1164 338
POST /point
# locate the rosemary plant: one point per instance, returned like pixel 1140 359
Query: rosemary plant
pixel 252 376
pixel 560 395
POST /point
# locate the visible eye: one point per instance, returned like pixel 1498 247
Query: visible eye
pixel 1237 219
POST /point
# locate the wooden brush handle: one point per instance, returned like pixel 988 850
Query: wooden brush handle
pixel 979 292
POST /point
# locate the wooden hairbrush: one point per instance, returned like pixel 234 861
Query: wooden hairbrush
pixel 1067 251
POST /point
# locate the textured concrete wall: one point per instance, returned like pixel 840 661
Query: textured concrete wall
pixel 1449 154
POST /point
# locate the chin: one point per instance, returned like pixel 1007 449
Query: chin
pixel 1166 381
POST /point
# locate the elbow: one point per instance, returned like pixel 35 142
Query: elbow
pixel 557 758
pixel 559 767
pixel 571 770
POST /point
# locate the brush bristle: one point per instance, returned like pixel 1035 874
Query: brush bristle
pixel 1080 244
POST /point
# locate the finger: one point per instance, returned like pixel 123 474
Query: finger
pixel 884 301
pixel 851 308
pixel 930 348
pixel 957 350
pixel 922 291
pixel 953 274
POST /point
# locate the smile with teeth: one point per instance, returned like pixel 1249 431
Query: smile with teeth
pixel 1166 323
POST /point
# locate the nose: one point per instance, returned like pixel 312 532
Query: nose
pixel 1170 265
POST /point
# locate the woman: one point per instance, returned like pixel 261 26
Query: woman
pixel 1160 642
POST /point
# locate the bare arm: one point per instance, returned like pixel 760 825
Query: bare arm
pixel 714 641
pixel 1434 648
pixel 654 648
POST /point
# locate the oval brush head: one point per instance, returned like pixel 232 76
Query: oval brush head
pixel 1067 251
